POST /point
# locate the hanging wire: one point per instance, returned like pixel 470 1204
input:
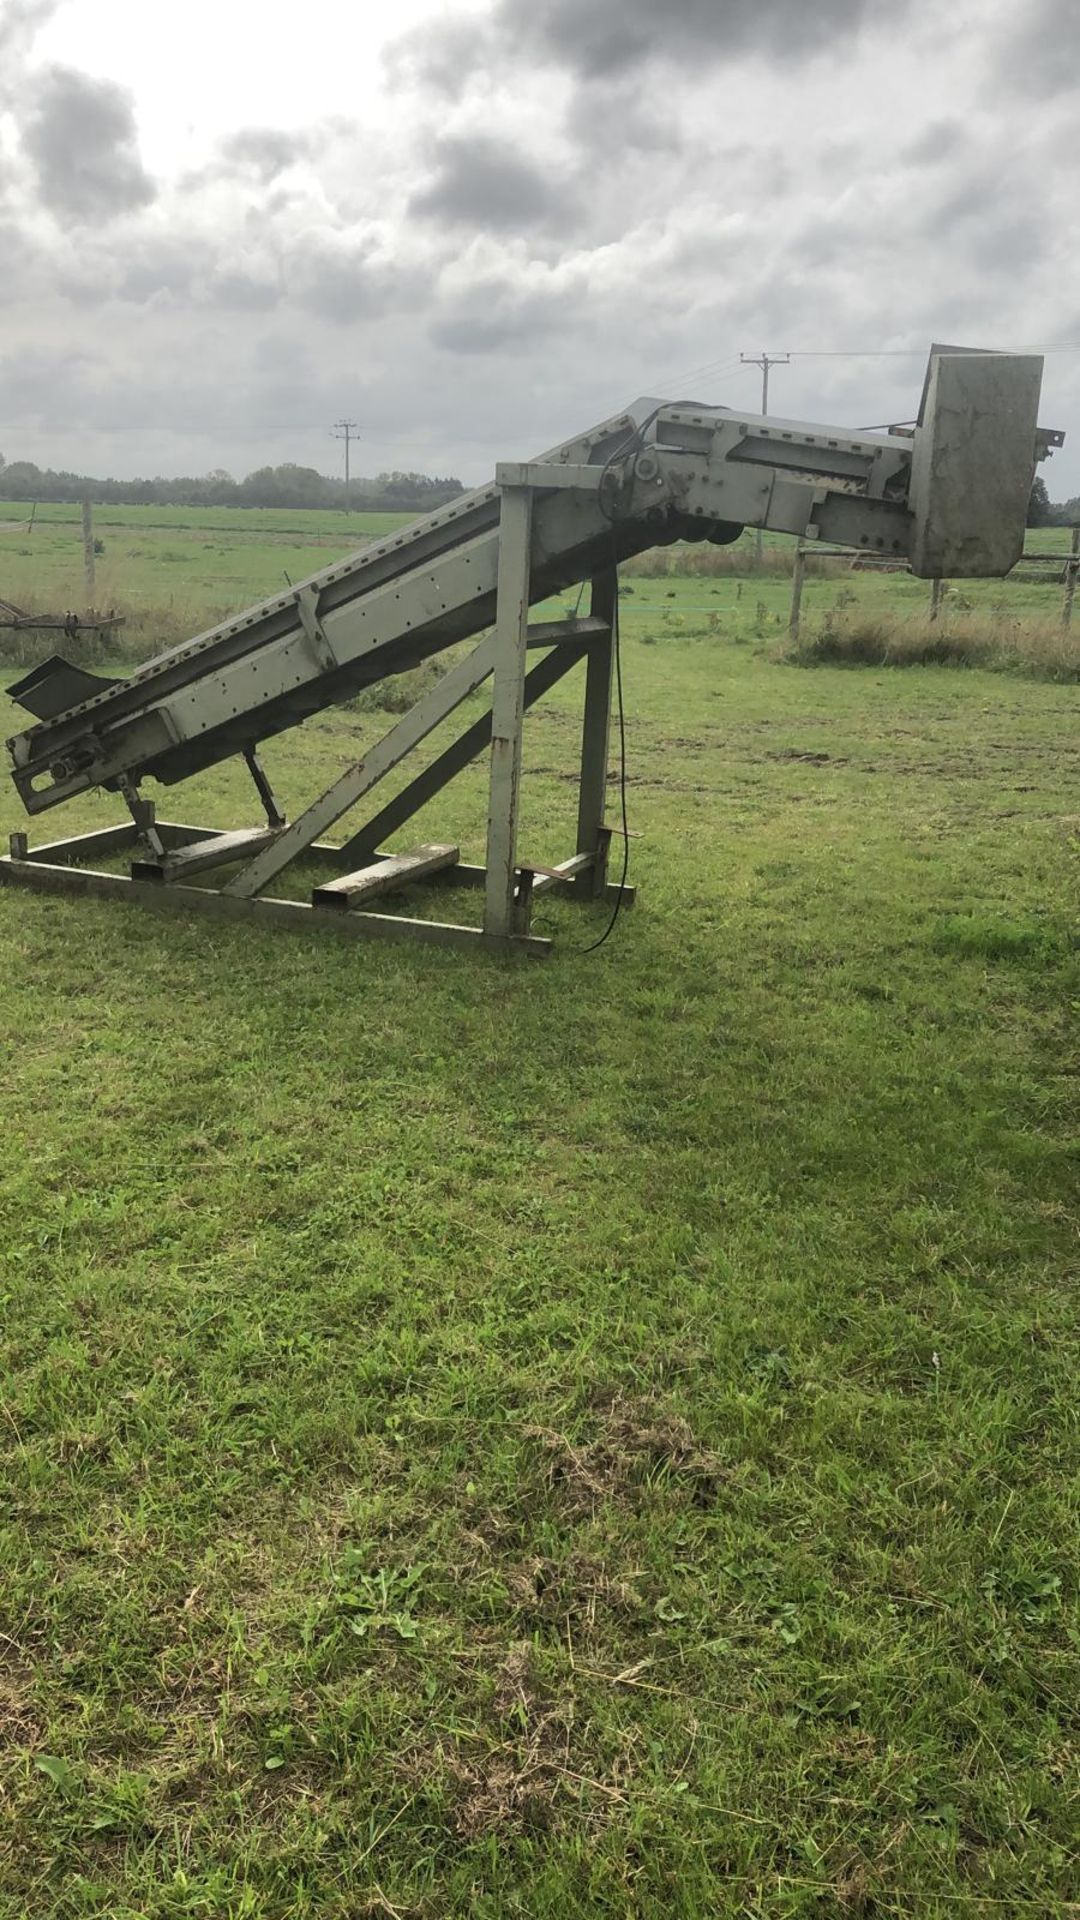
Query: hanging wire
pixel 616 647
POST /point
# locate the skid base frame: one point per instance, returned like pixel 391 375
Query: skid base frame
pixel 65 867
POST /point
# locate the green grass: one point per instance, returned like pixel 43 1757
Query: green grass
pixel 231 520
pixel 171 569
pixel 585 1439
pixel 198 563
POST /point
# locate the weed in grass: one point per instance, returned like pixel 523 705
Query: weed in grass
pixel 705 562
pixel 146 630
pixel 1043 650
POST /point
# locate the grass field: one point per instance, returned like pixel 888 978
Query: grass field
pixel 201 562
pixel 585 1439
pixel 171 571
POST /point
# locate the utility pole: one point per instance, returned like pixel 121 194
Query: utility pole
pixel 345 430
pixel 764 361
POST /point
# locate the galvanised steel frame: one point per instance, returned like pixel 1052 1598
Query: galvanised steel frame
pixel 655 474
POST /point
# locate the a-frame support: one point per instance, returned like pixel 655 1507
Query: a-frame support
pixel 323 813
pixel 434 777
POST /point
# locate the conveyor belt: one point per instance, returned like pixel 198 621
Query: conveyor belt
pixel 666 472
pixel 417 591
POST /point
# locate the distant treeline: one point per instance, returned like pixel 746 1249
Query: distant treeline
pixel 1044 512
pixel 293 486
pixel 285 486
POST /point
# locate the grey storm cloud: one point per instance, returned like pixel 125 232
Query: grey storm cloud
pixel 348 284
pixel 608 39
pixel 610 36
pixel 980 197
pixel 1014 239
pixel 496 316
pixel 96 394
pixel 642 129
pixel 33 382
pixel 264 151
pixel 481 182
pixel 176 270
pixel 148 268
pixel 828 241
pixel 80 139
pixel 345 282
pixel 19 258
pixel 990 217
pixel 1040 54
pixel 242 292
pixel 936 142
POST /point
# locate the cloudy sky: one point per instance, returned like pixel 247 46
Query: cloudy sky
pixel 477 225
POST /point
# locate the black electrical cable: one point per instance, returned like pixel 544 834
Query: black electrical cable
pixel 617 651
pixel 632 441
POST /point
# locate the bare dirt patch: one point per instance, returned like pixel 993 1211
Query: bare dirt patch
pixel 637 1446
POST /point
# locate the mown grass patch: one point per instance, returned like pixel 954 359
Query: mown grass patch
pixel 593 1438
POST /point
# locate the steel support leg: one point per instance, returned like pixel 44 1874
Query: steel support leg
pixel 595 735
pixel 142 812
pixel 508 709
pixel 274 815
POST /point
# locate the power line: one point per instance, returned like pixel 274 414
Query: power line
pixel 709 368
pixel 345 430
pixel 904 353
pixel 857 353
pixel 722 367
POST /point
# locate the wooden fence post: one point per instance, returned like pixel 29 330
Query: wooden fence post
pixel 798 570
pixel 88 552
pixel 1070 578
